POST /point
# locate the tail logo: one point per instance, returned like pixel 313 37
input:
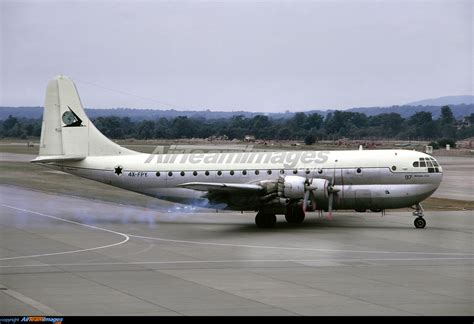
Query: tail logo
pixel 71 119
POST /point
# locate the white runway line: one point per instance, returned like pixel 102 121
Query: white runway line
pixel 297 248
pixel 72 222
pixel 45 310
pixel 127 237
pixel 222 261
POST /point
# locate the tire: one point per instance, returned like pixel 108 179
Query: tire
pixel 265 220
pixel 295 214
pixel 420 222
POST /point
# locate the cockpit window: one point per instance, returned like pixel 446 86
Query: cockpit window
pixel 429 162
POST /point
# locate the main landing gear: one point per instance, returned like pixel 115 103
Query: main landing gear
pixel 294 214
pixel 265 219
pixel 419 220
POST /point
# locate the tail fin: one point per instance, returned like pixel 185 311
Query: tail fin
pixel 66 129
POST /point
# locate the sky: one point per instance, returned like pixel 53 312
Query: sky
pixel 266 56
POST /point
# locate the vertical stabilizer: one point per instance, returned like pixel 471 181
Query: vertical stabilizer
pixel 66 129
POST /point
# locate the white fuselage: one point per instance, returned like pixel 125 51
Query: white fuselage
pixel 375 179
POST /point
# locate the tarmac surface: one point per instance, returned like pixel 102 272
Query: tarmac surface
pixel 75 256
pixel 458 178
pixel 66 255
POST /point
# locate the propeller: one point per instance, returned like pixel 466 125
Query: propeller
pixel 309 195
pixel 331 191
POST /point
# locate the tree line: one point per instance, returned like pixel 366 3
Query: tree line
pixel 308 127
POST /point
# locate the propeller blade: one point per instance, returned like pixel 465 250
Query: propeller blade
pixel 305 200
pixel 333 177
pixel 331 197
pixel 313 201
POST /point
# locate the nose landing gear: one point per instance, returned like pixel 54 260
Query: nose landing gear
pixel 419 220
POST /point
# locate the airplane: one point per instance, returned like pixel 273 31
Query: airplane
pixel 270 183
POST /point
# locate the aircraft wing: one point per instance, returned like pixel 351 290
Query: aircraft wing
pixel 222 187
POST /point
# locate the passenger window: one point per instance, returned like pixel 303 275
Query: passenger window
pixel 170 174
pixel 195 173
pixel 206 173
pixel 269 172
pixel 257 172
pixel 182 173
pixel 282 171
pixel 244 172
pixel 295 171
pixel 158 173
pixel 219 173
pixel 231 172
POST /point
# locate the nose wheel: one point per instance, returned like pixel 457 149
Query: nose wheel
pixel 419 220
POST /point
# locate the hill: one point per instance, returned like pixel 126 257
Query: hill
pixel 443 101
pixel 459 112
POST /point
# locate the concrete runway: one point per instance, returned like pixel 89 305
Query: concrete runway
pixel 458 178
pixel 75 256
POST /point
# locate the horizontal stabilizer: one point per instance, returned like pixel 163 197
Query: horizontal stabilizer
pixel 227 187
pixel 57 158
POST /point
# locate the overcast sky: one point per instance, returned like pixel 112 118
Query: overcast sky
pixel 237 55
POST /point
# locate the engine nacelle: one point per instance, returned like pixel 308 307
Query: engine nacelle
pixel 293 187
pixel 321 192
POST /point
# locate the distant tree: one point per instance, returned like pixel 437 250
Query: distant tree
pixel 471 118
pixel 435 145
pixel 314 121
pixel 444 141
pixel 163 128
pixel 309 139
pixel 447 116
pixel 10 122
pixel 388 124
pixel 344 123
pixel 146 129
pixel 298 121
pixel 422 125
pixel 446 123
pixel 183 127
pixel 29 129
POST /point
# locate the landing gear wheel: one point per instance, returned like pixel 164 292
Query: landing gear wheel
pixel 265 220
pixel 420 222
pixel 295 214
